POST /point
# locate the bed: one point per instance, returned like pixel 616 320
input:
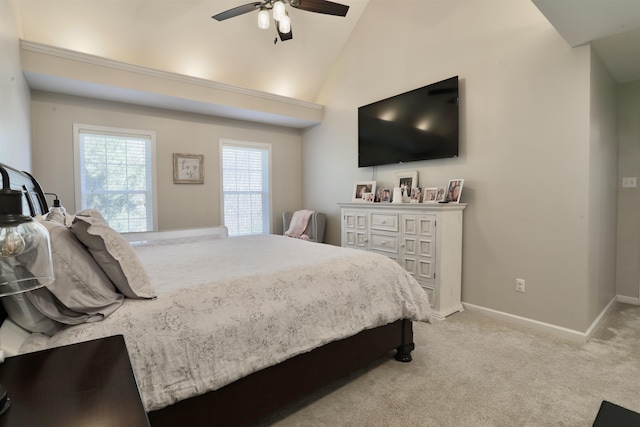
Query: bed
pixel 240 327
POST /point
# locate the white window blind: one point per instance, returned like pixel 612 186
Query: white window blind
pixel 115 176
pixel 245 188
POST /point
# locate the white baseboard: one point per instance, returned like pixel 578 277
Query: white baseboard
pixel 602 315
pixel 570 334
pixel 628 300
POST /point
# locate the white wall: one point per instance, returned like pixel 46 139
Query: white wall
pixel 15 136
pixel 603 177
pixel 628 253
pixel 179 205
pixel 525 149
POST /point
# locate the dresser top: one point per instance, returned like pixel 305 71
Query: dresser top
pixel 406 206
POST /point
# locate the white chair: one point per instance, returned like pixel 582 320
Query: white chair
pixel 315 229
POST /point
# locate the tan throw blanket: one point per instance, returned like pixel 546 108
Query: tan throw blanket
pixel 299 224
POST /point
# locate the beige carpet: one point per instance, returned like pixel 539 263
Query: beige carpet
pixel 473 370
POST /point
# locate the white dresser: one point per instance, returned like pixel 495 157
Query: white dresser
pixel 424 238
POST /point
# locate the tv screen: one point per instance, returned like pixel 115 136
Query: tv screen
pixel 421 124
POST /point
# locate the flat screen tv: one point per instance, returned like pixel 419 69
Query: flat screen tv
pixel 421 124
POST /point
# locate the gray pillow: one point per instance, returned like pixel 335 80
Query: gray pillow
pixel 49 306
pixel 28 316
pixel 114 255
pixel 80 284
pixel 93 213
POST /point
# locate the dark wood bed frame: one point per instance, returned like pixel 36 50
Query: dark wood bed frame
pixel 262 393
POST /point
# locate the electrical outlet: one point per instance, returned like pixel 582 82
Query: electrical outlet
pixel 519 285
pixel 629 182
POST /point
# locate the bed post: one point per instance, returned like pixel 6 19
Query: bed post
pixel 403 352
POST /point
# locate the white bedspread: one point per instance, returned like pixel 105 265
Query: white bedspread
pixel 229 307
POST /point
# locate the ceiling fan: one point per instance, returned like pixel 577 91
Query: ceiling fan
pixel 280 15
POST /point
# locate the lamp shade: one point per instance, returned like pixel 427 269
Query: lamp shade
pixel 263 19
pixel 25 249
pixel 278 10
pixel 285 25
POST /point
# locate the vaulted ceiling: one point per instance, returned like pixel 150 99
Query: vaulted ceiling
pixel 179 36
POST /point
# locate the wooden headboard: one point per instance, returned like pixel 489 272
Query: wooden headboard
pixel 33 201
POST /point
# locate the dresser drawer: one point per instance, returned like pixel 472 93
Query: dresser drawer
pixel 431 293
pixel 383 242
pixel 355 220
pixel 384 221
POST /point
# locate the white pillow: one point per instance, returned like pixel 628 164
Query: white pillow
pixel 114 255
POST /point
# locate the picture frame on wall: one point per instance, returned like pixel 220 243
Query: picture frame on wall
pixel 454 190
pixel 362 187
pixel 431 195
pixel 188 168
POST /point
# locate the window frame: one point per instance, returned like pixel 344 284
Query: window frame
pixel 109 130
pixel 249 145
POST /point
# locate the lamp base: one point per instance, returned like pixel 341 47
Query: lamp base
pixel 5 402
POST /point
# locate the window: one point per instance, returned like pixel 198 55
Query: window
pixel 115 175
pixel 246 180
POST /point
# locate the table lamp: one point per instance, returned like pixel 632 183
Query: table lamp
pixel 25 253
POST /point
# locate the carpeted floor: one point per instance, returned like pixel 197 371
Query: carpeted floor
pixel 474 370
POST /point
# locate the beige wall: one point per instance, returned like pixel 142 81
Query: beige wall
pixel 628 254
pixel 15 138
pixel 525 149
pixel 179 205
pixel 536 131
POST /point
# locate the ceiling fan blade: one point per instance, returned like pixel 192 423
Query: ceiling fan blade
pixel 321 6
pixel 240 10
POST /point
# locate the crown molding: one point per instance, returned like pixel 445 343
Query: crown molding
pixel 287 103
pixel 123 66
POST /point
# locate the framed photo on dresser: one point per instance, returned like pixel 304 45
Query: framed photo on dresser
pixel 406 181
pixel 454 190
pixel 430 195
pixel 362 187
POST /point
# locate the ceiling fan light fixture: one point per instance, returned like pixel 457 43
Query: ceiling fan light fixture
pixel 280 15
pixel 263 19
pixel 278 10
pixel 285 25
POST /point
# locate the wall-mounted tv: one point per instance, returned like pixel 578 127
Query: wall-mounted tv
pixel 421 124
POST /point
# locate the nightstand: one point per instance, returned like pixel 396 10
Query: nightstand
pixel 84 384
